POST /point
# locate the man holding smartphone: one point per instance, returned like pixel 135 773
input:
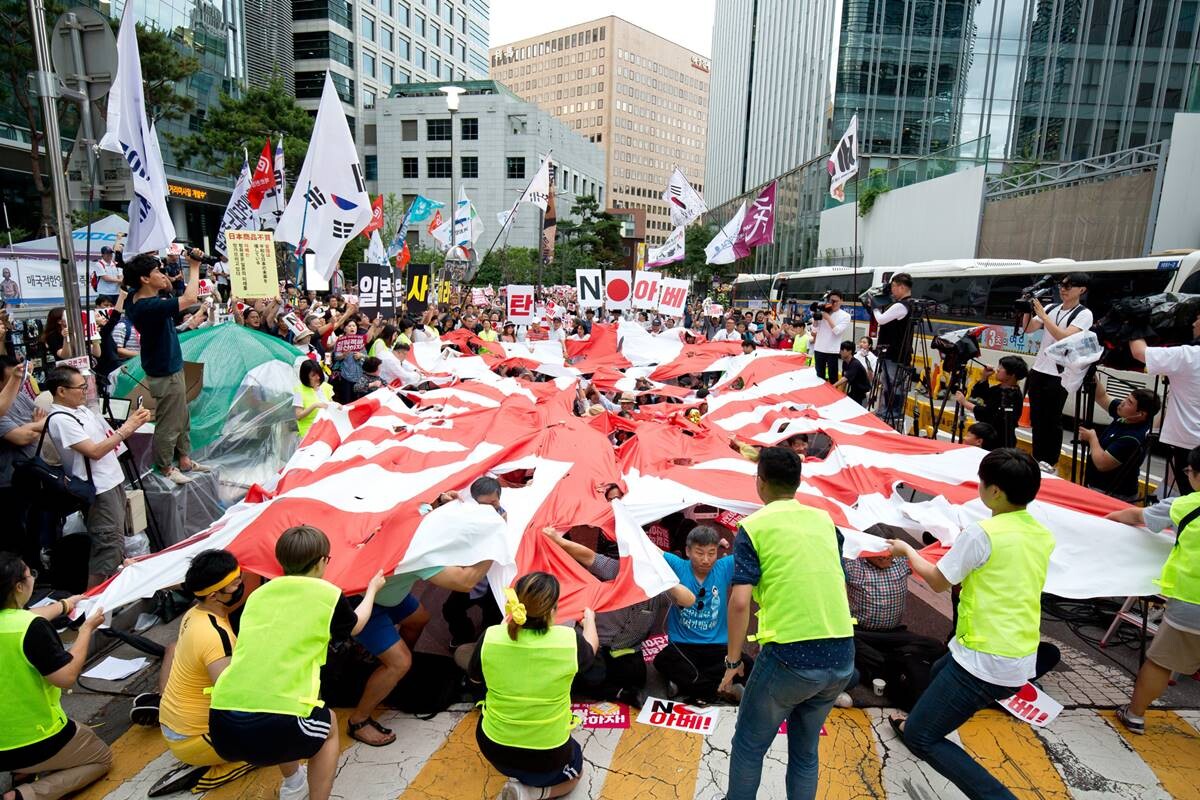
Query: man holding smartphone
pixel 153 310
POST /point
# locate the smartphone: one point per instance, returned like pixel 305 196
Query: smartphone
pixel 141 401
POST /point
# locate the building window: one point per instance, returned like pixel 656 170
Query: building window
pixel 403 48
pixel 386 37
pixel 438 130
pixel 337 11
pixel 311 84
pixel 386 7
pixel 387 73
pixel 408 130
pixel 435 65
pixel 419 24
pixel 368 64
pixel 409 168
pixel 402 76
pixel 435 35
pixel 371 167
pixel 448 44
pixel 514 167
pixel 446 71
pixel 438 167
pixel 462 50
pixel 447 12
pixel 368 28
pixel 420 59
pixel 323 44
pixel 469 128
pixel 402 15
pixel 470 166
pixel 368 98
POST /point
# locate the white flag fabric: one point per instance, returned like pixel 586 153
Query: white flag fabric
pixel 684 202
pixel 720 249
pixel 128 133
pixel 376 252
pixel 275 198
pixel 538 191
pixel 843 162
pixel 156 157
pixel 330 205
pixel 467 225
pixel 238 214
pixel 671 250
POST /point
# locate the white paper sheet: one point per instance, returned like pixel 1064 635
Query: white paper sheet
pixel 115 669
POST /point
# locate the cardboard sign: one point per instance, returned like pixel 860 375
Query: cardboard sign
pixel 672 296
pixel 730 519
pixel 350 344
pixel 645 290
pixel 589 286
pixel 679 716
pixel 714 310
pixel 618 289
pixel 478 298
pixel 252 272
pixel 378 290
pixel 295 325
pixel 653 646
pixel 602 716
pixel 1032 705
pixel 205 287
pixel 519 304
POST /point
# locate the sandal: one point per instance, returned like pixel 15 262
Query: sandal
pixel 896 722
pixel 353 728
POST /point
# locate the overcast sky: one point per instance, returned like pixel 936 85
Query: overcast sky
pixel 687 22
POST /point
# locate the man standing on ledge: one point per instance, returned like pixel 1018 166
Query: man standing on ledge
pixel 788 557
pixel 153 311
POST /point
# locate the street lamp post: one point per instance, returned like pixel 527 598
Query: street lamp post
pixel 452 97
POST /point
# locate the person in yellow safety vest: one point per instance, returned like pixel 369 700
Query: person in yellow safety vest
pixel 1176 646
pixel 201 654
pixel 310 395
pixel 38 743
pixel 527 665
pixel 266 708
pixel 1001 563
pixel 787 557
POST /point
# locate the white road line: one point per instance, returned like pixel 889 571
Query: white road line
pixel 905 775
pixel 382 773
pixel 1095 761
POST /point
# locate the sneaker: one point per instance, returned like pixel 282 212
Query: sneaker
pixel 145 710
pixel 177 477
pixel 198 467
pixel 301 790
pixel 1046 468
pixel 1132 725
pixel 843 700
pixel 179 779
pixel 513 790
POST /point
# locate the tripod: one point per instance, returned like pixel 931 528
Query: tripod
pixel 958 381
pixel 1085 412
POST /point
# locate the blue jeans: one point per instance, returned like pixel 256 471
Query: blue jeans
pixel 953 697
pixel 776 692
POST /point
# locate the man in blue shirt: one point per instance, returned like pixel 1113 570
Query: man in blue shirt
pixel 693 662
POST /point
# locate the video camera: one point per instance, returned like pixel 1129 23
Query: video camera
pixel 876 295
pixel 957 347
pixel 821 307
pixel 205 258
pixel 1042 291
pixel 1161 319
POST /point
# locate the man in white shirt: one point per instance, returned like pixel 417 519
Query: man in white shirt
pixel 1181 422
pixel 89 448
pixel 895 348
pixel 830 326
pixel 105 276
pixel 729 333
pixel 1044 385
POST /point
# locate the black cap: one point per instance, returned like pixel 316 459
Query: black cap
pixel 1080 279
pixel 106 250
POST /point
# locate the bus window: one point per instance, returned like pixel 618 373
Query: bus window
pixel 1192 284
pixel 957 299
pixel 1108 287
pixel 1004 292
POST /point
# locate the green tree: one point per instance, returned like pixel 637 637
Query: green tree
pixel 508 265
pixel 594 236
pixel 393 213
pixel 354 253
pixel 693 265
pixel 242 124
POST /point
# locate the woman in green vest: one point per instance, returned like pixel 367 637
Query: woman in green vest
pixel 1176 646
pixel 37 740
pixel 266 707
pixel 311 395
pixel 527 664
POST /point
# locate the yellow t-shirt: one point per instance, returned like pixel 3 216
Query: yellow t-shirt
pixel 184 706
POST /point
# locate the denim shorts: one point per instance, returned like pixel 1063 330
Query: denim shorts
pixel 379 634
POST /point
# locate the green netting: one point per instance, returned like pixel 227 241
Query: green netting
pixel 228 352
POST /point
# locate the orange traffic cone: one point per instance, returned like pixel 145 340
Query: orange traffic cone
pixel 1024 420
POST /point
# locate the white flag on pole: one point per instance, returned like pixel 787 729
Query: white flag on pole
pixel 128 133
pixel 684 202
pixel 720 249
pixel 671 250
pixel 156 157
pixel 330 205
pixel 538 190
pixel 238 214
pixel 376 252
pixel 843 162
pixel 274 200
pixel 467 225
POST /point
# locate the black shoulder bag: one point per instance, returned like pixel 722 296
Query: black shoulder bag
pixel 55 486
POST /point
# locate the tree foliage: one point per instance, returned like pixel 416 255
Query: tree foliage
pixel 506 265
pixel 595 235
pixel 238 125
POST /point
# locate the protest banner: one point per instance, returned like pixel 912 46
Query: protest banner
pixel 252 271
pixel 519 304
pixel 645 290
pixel 602 716
pixel 1032 705
pixel 652 646
pixel 295 325
pixel 377 285
pixel 679 716
pixel 350 344
pixel 715 310
pixel 617 289
pixel 589 286
pixel 672 297
pixel 416 293
pixel 478 297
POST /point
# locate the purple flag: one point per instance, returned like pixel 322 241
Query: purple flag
pixel 758 226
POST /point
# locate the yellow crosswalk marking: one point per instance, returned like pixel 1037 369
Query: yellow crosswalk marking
pixel 653 763
pixel 458 764
pixel 1012 752
pixel 131 753
pixel 850 767
pixel 1169 747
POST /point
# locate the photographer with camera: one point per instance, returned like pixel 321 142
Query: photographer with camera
pixel 998 404
pixel 895 344
pixel 1115 455
pixel 1181 422
pixel 1044 387
pixel 830 322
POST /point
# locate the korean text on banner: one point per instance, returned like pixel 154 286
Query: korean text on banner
pixel 1032 705
pixel 672 297
pixel 679 716
pixel 645 290
pixel 376 285
pixel 350 344
pixel 589 287
pixel 252 271
pixel 519 304
pixel 618 289
pixel 416 288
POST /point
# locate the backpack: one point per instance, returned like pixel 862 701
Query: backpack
pixel 432 684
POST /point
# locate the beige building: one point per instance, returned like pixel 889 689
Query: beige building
pixel 641 97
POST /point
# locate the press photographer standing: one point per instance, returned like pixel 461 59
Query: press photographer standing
pixel 830 322
pixel 1044 387
pixel 895 346
pixel 1181 422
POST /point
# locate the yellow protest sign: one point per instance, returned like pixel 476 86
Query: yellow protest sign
pixel 252 271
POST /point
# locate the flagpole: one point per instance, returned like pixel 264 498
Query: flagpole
pixel 512 214
pixel 300 260
pixel 854 257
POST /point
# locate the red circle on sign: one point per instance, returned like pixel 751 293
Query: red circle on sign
pixel 618 290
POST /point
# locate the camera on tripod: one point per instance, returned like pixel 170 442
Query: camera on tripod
pixel 957 347
pixel 1161 319
pixel 876 295
pixel 821 307
pixel 1042 291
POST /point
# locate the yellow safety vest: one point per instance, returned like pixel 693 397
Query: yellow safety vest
pixel 276 665
pixel 1000 609
pixel 308 396
pixel 528 681
pixel 802 592
pixel 31 711
pixel 1181 574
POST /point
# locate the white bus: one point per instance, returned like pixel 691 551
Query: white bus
pixel 751 292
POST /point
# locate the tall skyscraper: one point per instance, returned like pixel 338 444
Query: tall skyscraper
pixel 268 41
pixel 641 97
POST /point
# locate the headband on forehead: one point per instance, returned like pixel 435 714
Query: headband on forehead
pixel 221 584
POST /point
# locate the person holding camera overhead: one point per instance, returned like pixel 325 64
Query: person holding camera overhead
pixel 1044 386
pixel 895 345
pixel 830 322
